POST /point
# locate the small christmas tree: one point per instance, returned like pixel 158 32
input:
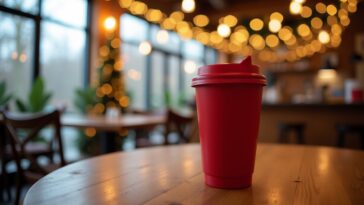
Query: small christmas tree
pixel 111 88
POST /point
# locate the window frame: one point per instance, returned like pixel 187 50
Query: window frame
pixel 38 19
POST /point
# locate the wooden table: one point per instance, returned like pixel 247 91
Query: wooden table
pixel 127 121
pixel 284 174
pixel 112 126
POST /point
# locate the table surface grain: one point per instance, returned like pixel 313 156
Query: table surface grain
pixel 284 174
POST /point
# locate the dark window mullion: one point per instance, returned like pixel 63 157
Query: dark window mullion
pixel 87 67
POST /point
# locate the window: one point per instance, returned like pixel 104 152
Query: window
pixel 46 38
pixel 162 78
pixel 16 53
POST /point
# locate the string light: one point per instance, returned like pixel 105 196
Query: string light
pixel 229 36
pixel 188 6
pixel 201 20
pixel 295 8
pixel 223 30
pixel 256 24
pixel 110 23
pixel 324 37
pixel 274 25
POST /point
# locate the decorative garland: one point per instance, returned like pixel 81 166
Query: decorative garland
pixel 318 29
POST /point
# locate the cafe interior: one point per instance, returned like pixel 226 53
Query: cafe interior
pixel 85 82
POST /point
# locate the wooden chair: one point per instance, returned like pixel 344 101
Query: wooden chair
pixel 178 123
pixel 297 128
pixel 22 149
pixel 345 130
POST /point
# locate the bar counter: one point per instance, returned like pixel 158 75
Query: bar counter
pixel 320 121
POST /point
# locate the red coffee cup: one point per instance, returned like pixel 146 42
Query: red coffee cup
pixel 228 98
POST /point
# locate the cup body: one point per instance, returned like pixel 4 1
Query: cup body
pixel 228 117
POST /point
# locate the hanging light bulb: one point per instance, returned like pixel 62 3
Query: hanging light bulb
pixel 110 23
pixel 295 8
pixel 188 6
pixel 223 30
pixel 324 37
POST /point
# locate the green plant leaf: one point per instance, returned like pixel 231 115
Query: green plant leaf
pixel 2 89
pixel 5 100
pixel 21 106
pixel 38 98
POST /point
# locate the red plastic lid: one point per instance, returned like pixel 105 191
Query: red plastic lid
pixel 244 72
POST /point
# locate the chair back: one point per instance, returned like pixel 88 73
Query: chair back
pixel 179 123
pixel 33 124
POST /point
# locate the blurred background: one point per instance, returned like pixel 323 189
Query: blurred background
pixel 97 60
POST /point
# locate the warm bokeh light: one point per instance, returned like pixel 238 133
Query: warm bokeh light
pixel 138 8
pixel 240 36
pixel 285 34
pixel 316 23
pixel 90 132
pixel 223 30
pixel 274 25
pixel 145 48
pixel 154 15
pixel 188 6
pixel 215 38
pixel 230 20
pixel 303 30
pixel 276 15
pixel 201 20
pixel 256 24
pixel 162 36
pixel 168 24
pixel 331 10
pixel 272 40
pixel 336 29
pixel 295 8
pixel 110 23
pixel 321 8
pixel 203 37
pixel 257 42
pixel 324 37
pixel 177 16
pixel 306 12
pixel 125 3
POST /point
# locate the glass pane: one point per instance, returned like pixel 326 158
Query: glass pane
pixel 190 71
pixel 210 56
pixel 165 40
pixel 30 6
pixel 134 68
pixel 62 61
pixel 69 12
pixel 16 54
pixel 157 79
pixel 174 79
pixel 133 28
pixel 193 49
